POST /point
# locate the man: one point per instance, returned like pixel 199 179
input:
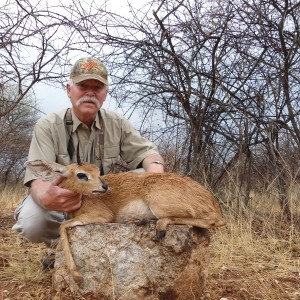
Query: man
pixel 86 132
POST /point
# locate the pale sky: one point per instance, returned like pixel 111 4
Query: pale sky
pixel 51 99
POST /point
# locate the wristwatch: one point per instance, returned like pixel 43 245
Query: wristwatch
pixel 157 162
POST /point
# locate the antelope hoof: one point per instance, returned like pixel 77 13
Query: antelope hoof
pixel 77 277
pixel 160 234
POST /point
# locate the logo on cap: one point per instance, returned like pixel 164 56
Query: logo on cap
pixel 91 65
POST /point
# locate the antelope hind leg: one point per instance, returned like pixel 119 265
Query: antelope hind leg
pixel 161 224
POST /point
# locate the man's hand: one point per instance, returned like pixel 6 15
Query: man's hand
pixel 52 197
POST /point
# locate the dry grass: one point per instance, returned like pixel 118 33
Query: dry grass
pixel 254 259
pixel 251 258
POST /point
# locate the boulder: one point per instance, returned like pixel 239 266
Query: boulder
pixel 128 262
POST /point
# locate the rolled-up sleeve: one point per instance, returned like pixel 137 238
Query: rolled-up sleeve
pixel 41 147
pixel 122 140
pixel 134 147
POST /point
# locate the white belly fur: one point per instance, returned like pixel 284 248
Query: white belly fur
pixel 135 211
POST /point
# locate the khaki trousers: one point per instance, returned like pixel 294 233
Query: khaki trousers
pixel 36 223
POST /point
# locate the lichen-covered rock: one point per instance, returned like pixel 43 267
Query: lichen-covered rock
pixel 126 261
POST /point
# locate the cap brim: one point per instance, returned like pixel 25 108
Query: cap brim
pixel 83 77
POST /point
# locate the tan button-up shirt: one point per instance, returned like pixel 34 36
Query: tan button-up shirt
pixel 121 140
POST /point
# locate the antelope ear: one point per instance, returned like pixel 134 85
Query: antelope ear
pixel 47 170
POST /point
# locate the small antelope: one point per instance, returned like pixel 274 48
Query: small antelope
pixel 131 197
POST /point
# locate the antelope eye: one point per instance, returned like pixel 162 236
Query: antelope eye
pixel 82 176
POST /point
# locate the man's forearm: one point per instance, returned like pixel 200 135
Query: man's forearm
pixel 153 163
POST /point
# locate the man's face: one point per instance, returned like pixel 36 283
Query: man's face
pixel 87 97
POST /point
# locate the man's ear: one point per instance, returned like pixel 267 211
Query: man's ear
pixel 68 88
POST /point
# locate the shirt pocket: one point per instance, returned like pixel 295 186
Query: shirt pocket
pixel 111 156
pixel 112 152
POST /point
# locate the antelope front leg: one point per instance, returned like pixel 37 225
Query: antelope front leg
pixel 78 221
pixel 66 248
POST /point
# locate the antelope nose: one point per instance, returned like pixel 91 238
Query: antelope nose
pixel 104 185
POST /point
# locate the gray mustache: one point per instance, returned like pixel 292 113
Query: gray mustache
pixel 87 99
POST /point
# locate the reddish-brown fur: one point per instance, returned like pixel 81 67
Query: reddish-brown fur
pixel 132 197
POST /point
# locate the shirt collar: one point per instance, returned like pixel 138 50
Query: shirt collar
pixel 77 122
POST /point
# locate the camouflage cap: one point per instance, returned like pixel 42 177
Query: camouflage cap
pixel 89 68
